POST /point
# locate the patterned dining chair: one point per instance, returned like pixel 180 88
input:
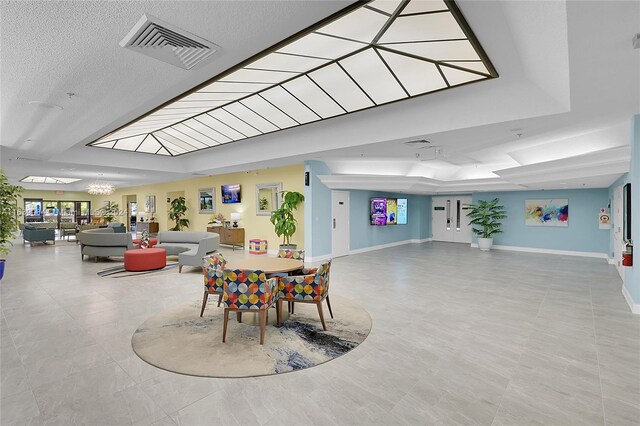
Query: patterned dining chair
pixel 248 290
pixel 212 266
pixel 309 288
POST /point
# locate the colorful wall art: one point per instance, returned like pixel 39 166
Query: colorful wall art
pixel 546 212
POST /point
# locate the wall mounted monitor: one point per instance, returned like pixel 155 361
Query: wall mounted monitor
pixel 392 211
pixel 378 211
pixel 401 206
pixel 230 193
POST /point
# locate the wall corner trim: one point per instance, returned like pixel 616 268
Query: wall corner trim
pixel 635 307
pixel 549 251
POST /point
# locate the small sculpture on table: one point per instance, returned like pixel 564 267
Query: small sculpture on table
pixel 144 241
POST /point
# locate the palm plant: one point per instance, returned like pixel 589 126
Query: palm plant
pixel 177 211
pixel 487 215
pixel 8 211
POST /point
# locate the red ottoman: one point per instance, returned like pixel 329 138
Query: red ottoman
pixel 152 242
pixel 145 259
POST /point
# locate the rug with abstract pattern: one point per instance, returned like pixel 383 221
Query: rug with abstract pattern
pixel 179 340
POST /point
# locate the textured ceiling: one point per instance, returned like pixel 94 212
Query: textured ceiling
pixel 568 78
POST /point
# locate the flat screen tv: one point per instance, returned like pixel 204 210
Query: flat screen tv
pixel 230 193
pixel 392 211
pixel 401 206
pixel 378 211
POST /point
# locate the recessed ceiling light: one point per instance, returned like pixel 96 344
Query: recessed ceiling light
pixel 45 105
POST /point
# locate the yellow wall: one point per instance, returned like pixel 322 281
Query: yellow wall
pixel 291 177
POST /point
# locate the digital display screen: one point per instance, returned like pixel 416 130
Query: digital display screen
pixel 378 211
pixel 401 217
pixel 392 211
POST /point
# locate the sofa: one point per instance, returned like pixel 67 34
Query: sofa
pixel 104 242
pixel 36 234
pixel 118 227
pixel 190 247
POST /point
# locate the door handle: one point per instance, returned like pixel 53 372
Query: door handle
pixel 334 223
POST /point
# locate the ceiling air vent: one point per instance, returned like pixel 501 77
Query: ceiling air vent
pixel 160 40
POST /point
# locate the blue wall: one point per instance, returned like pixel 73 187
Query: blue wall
pixel 317 211
pixel 362 234
pixel 582 234
pixel 631 274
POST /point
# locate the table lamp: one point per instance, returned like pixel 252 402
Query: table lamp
pixel 235 217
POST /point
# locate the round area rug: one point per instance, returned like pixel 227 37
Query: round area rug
pixel 180 341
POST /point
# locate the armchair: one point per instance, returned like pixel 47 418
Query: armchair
pixel 212 266
pixel 248 291
pixel 68 229
pixel 310 288
pixel 34 234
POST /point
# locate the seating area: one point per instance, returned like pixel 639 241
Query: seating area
pixel 190 247
pixel 104 242
pixel 33 233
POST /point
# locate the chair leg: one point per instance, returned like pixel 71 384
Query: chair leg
pixel 179 268
pixel 239 316
pixel 263 324
pixel 290 307
pixel 293 307
pixel 204 302
pixel 319 305
pixel 224 324
pixel 220 300
pixel 278 312
pixel 329 305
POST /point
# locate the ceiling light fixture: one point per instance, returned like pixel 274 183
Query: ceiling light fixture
pixel 368 54
pixel 100 188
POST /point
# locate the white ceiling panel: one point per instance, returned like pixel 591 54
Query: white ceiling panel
pixel 291 63
pixel 211 133
pixel 259 105
pixel 207 139
pixel 149 145
pixel 235 123
pixel 423 6
pixel 311 95
pixel 455 76
pixel 250 117
pixel 322 46
pixel 218 126
pixel 290 105
pixel 361 25
pixel 244 75
pixel 433 26
pixel 341 87
pixel 416 76
pixel 373 76
pixel 233 87
pixel 460 50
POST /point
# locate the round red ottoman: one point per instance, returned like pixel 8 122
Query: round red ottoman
pixel 152 241
pixel 145 259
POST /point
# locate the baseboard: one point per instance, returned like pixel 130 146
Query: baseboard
pixel 611 261
pixel 394 244
pixel 548 251
pixel 635 307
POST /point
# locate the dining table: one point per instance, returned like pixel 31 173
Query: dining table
pixel 264 263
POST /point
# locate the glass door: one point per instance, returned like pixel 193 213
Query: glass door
pixel 33 210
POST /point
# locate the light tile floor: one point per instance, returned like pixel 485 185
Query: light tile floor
pixel 459 337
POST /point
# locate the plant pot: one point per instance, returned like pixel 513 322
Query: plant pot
pixel 2 262
pixel 288 246
pixel 485 244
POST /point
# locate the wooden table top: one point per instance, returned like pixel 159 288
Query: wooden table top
pixel 267 264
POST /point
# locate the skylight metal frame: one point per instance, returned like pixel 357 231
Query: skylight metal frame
pixel 173 141
pixel 48 180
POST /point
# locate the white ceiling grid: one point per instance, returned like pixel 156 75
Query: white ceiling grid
pixel 380 52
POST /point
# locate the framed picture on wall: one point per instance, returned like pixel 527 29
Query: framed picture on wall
pixel 206 201
pixel 150 204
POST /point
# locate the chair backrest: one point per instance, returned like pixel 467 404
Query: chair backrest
pixel 248 289
pixel 291 254
pixel 212 266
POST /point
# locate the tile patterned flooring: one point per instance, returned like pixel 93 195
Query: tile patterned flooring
pixel 459 337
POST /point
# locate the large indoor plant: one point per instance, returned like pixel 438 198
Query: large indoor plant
pixel 283 219
pixel 487 216
pixel 110 213
pixel 177 210
pixel 8 216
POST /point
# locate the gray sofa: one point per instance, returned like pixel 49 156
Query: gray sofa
pixel 104 242
pixel 118 227
pixel 35 234
pixel 190 247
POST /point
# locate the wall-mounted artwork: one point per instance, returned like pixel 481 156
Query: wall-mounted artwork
pixel 546 212
pixel 150 204
pixel 207 204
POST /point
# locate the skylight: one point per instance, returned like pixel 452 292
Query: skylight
pixel 377 53
pixel 47 179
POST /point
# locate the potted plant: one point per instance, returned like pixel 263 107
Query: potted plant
pixel 487 215
pixel 216 219
pixel 283 220
pixel 8 216
pixel 177 210
pixel 110 213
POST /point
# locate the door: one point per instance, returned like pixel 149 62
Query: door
pixel 133 215
pixel 616 209
pixel 449 220
pixel 340 223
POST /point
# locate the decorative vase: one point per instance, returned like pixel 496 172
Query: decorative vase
pixel 485 244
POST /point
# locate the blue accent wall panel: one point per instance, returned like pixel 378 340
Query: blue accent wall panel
pixel 317 211
pixel 582 234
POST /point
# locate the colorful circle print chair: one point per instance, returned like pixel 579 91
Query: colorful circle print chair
pixel 248 291
pixel 212 266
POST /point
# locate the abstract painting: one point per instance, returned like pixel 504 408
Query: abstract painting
pixel 546 212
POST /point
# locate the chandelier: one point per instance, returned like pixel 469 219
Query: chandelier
pixel 98 188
